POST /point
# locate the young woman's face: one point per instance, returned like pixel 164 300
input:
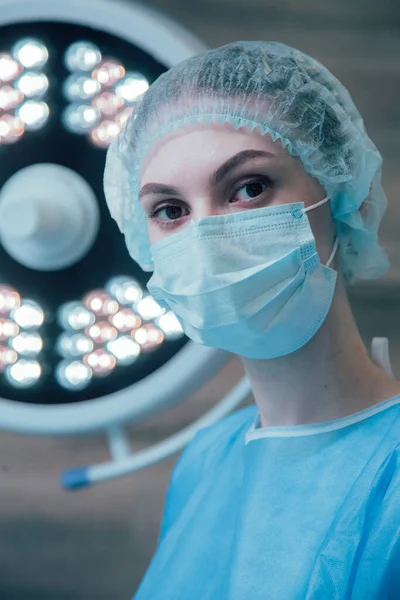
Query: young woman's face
pixel 214 169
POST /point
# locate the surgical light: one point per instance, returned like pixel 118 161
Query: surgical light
pixel 81 118
pixel 126 320
pixel 100 303
pixel 109 72
pixel 10 97
pixel 7 357
pixel 101 91
pixel 115 334
pixel 78 88
pixel 125 350
pixel 9 68
pixel 22 87
pixel 11 128
pixel 149 336
pixel 108 103
pixel 28 315
pixel 76 344
pixel 33 114
pixel 82 56
pixel 23 373
pixel 100 361
pixel 73 315
pixel 27 344
pixel 170 326
pixel 32 84
pixel 101 332
pixel 105 133
pixel 74 375
pixel 8 329
pixel 125 289
pixel 131 87
pixel 9 299
pixel 19 314
pixel 84 383
pixel 30 53
pixel 148 308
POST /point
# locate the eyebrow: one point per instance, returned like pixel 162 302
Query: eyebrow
pixel 216 177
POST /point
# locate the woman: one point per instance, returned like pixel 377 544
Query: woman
pixel 247 182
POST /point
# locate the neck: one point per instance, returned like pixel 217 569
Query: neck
pixel 329 378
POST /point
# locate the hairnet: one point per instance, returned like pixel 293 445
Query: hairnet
pixel 282 92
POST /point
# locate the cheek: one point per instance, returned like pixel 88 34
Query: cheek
pixel 310 191
pixel 155 233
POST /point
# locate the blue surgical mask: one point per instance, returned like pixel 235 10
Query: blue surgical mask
pixel 249 282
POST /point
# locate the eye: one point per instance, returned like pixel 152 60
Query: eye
pixel 251 189
pixel 168 212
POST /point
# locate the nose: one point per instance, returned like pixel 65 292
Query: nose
pixel 204 206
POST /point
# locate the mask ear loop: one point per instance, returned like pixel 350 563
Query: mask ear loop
pixel 320 203
pixel 299 212
pixel 336 242
pixel 332 255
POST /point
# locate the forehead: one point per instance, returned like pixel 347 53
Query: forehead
pixel 203 145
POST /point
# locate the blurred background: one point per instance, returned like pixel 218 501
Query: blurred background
pixel 96 543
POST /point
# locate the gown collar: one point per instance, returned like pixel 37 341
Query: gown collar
pixel 256 431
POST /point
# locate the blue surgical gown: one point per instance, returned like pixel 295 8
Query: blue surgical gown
pixel 309 512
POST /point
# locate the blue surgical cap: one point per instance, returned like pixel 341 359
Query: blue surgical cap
pixel 284 93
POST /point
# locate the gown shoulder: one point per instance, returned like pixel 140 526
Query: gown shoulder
pixel 203 453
